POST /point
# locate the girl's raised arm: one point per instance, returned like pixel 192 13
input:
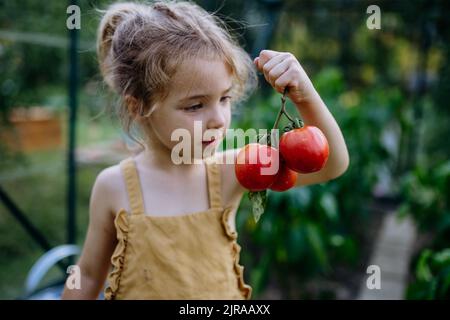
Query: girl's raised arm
pixel 281 70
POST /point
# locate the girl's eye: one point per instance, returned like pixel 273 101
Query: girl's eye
pixel 199 106
pixel 193 108
pixel 225 98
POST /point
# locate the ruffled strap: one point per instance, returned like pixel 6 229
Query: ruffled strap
pixel 245 289
pixel 133 185
pixel 118 257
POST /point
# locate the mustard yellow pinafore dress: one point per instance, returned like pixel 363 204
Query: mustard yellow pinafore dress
pixel 190 256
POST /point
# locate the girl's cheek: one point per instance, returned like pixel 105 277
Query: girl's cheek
pixel 228 119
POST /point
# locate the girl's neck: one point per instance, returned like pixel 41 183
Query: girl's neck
pixel 158 156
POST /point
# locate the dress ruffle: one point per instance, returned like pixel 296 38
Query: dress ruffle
pixel 117 259
pixel 245 289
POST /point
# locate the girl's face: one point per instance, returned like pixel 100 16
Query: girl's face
pixel 199 94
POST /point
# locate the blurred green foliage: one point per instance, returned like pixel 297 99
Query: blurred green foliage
pixel 432 276
pixel 388 90
pixel 426 198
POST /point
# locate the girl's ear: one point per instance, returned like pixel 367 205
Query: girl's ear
pixel 132 105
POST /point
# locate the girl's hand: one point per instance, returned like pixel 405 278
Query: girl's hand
pixel 281 70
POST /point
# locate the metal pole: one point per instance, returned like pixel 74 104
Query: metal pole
pixel 23 220
pixel 71 162
pixel 28 225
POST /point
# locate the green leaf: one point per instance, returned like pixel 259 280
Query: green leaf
pixel 329 206
pixel 296 243
pixel 442 258
pixel 423 271
pixel 259 201
pixel 301 198
pixel 259 274
pixel 336 240
pixel 315 239
pixel 445 282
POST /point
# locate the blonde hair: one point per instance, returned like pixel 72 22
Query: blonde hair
pixel 140 46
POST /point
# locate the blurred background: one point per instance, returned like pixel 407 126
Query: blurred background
pixel 388 89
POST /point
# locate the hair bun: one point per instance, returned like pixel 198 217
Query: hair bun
pixel 113 17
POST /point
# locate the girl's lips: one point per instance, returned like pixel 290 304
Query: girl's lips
pixel 208 142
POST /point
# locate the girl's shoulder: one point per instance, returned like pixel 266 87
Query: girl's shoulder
pixel 109 185
pixel 109 176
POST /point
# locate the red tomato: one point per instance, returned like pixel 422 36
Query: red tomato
pixel 304 149
pixel 250 164
pixel 286 178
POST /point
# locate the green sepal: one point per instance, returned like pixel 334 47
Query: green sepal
pixel 259 201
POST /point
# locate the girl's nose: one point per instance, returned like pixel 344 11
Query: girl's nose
pixel 217 118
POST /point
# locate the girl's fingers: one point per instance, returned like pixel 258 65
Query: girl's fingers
pixel 278 70
pixel 268 68
pixel 264 56
pixel 255 61
pixel 272 62
pixel 287 79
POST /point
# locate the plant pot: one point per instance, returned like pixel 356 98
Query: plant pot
pixel 32 129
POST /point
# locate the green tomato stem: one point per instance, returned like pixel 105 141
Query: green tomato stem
pixel 283 110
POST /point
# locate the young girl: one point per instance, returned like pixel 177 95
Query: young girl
pixel 167 230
